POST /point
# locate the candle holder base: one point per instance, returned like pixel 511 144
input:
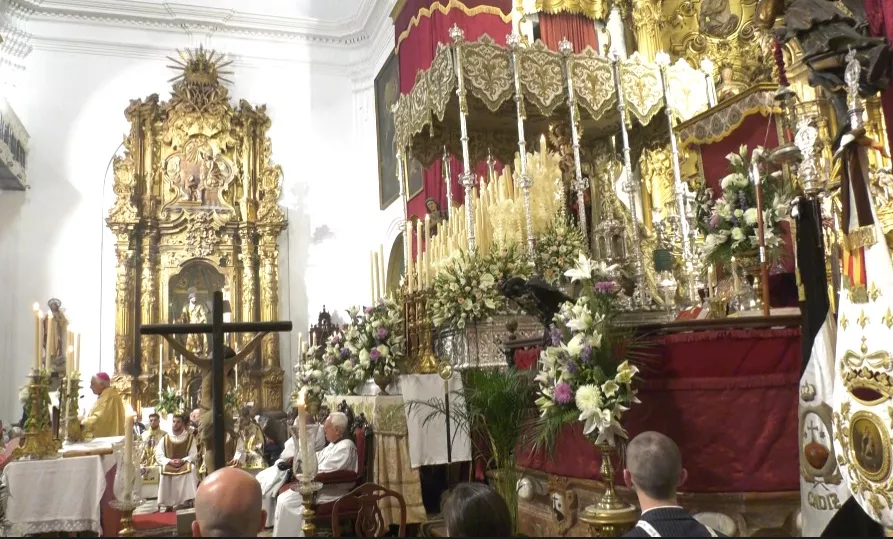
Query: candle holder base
pixel 73 430
pixel 39 442
pixel 126 509
pixel 308 489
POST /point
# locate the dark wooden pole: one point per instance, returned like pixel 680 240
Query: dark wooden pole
pixel 219 380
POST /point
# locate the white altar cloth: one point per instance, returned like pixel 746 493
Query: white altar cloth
pixel 60 495
pixel 428 443
pixel 104 448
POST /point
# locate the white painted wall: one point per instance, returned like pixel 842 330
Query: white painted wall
pixel 71 98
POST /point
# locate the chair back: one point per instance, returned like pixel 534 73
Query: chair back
pixel 363 438
pixel 363 502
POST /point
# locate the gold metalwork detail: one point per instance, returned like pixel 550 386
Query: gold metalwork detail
pixel 868 379
pixel 596 10
pixel 857 294
pixel 863 320
pixel 880 360
pixel 872 436
pixel 888 318
pixel 864 236
pixel 196 207
pixel 844 321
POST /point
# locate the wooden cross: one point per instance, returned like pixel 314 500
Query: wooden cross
pixel 217 328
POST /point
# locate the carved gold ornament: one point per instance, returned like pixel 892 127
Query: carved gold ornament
pixel 196 211
pixel 866 445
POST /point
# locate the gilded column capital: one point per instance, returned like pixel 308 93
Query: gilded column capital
pixel 646 17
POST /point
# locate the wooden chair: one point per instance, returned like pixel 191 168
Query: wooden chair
pixel 362 505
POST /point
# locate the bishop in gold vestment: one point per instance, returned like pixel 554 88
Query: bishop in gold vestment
pixel 175 455
pixel 107 416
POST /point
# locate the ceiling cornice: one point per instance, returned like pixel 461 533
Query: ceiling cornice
pixel 170 15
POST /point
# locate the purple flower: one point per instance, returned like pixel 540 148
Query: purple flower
pixel 330 360
pixel 556 336
pixel 572 368
pixel 734 220
pixel 714 222
pixel 381 334
pixel 306 379
pixel 375 355
pixel 368 310
pixel 336 339
pixel 742 200
pixel 563 393
pixel 605 287
pixel 345 352
pixel 586 356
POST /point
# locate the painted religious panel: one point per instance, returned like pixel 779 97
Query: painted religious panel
pixel 387 90
pixel 414 178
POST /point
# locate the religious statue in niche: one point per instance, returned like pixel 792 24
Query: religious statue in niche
pixel 198 172
pixel 435 214
pixel 716 18
pixel 195 313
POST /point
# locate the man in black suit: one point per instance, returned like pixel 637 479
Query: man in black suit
pixel 654 470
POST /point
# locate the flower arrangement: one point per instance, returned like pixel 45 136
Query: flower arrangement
pixel 580 377
pixel 557 248
pixel 467 290
pixel 310 377
pixel 730 222
pixel 169 402
pixel 341 365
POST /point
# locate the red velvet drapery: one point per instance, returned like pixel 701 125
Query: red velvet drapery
pixel 579 30
pixel 419 27
pixel 880 20
pixel 728 398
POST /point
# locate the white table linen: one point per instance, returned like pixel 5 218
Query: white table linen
pixel 428 442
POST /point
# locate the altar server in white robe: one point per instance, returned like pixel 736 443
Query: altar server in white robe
pixel 272 478
pixel 340 454
pixel 175 455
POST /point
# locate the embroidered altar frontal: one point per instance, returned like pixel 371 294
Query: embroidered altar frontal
pixel 727 398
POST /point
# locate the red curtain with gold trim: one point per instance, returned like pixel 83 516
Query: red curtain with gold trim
pixel 579 30
pixel 880 20
pixel 418 29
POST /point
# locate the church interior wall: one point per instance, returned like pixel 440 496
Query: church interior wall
pixel 71 98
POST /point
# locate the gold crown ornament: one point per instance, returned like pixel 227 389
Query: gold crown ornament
pixel 807 392
pixel 200 67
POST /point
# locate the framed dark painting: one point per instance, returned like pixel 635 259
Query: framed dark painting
pixel 414 178
pixel 387 90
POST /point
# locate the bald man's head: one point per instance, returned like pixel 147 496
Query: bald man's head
pixel 654 465
pixel 228 504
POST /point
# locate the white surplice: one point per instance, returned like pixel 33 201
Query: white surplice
pixel 338 456
pixel 272 478
pixel 176 489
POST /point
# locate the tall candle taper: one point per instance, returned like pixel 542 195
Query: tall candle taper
pixel 302 425
pixel 382 266
pixel 40 339
pixel 77 353
pixel 372 276
pixel 51 340
pixel 377 293
pixel 36 336
pixel 160 368
pixel 128 457
pixel 181 374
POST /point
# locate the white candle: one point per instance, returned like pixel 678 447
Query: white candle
pixel 69 355
pixel 51 340
pixel 160 368
pixel 36 307
pixel 181 374
pixel 372 275
pixel 41 335
pixel 77 353
pixel 300 345
pixel 381 285
pixel 302 425
pixel 128 455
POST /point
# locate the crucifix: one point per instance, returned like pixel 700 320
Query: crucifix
pixel 215 369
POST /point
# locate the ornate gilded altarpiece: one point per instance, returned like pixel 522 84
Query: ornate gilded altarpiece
pixel 195 211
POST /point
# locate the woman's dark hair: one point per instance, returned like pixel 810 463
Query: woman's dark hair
pixel 476 510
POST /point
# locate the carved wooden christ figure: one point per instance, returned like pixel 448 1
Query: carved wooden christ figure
pixel 206 403
pixel 195 313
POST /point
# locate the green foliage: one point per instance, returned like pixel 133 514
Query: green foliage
pixel 557 249
pixel 169 402
pixel 498 408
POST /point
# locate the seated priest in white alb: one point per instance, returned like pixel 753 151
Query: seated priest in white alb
pixel 272 478
pixel 340 454
pixel 175 456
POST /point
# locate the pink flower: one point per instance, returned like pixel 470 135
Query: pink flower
pixel 563 393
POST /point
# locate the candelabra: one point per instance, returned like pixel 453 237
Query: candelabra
pixel 128 483
pixel 39 442
pixel 307 487
pixel 70 393
pixel 426 341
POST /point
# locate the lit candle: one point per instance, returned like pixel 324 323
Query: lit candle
pixel 372 275
pixel 36 307
pixel 51 341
